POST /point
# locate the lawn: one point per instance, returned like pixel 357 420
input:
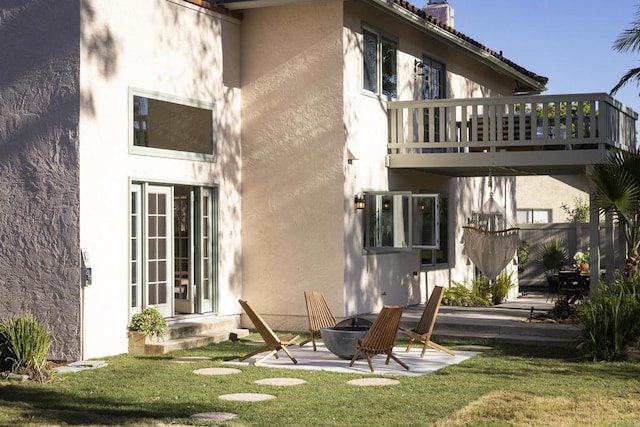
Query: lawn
pixel 503 386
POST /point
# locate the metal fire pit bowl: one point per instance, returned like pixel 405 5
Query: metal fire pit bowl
pixel 341 339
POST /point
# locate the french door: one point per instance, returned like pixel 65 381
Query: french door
pixel 173 250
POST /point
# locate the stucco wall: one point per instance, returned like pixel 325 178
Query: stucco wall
pixel 175 49
pixel 292 136
pixel 373 280
pixel 39 175
pixel 558 190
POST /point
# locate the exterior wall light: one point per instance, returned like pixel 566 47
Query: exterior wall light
pixel 358 201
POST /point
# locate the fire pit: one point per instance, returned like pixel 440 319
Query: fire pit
pixel 341 339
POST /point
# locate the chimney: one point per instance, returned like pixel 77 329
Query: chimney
pixel 441 10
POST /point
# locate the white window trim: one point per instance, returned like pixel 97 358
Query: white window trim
pixel 172 154
pixel 380 35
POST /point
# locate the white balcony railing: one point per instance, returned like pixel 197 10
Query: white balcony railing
pixel 504 124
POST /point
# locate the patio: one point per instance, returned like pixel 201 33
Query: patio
pixel 324 360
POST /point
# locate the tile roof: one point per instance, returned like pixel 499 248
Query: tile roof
pixel 422 14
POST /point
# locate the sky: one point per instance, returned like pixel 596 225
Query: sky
pixel 568 41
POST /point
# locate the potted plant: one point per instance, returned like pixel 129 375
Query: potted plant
pixel 582 260
pixel 148 323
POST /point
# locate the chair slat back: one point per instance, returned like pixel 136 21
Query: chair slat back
pixel 320 315
pixel 269 337
pixel 428 318
pixel 382 334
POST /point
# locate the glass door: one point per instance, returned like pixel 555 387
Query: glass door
pixel 158 248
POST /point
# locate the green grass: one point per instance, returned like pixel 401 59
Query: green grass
pixel 504 386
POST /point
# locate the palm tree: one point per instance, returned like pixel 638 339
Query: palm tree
pixel 629 41
pixel 616 187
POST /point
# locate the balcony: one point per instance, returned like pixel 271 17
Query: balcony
pixel 518 135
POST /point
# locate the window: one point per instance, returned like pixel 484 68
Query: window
pixel 533 216
pixel 433 87
pixel 380 73
pixel 440 255
pixel 399 221
pixel 170 127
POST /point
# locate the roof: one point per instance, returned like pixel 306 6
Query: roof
pixel 421 13
pixel 531 82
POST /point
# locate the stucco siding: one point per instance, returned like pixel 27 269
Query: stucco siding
pixel 293 154
pixel 174 49
pixel 39 171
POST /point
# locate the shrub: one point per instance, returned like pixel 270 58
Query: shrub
pixel 552 255
pixel 500 287
pixel 463 296
pixel 24 344
pixel 611 320
pixel 562 310
pixel 150 322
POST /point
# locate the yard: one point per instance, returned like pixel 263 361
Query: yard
pixel 501 386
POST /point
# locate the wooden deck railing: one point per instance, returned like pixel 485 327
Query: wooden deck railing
pixel 518 123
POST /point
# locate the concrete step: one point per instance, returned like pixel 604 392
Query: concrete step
pixel 193 341
pixel 194 331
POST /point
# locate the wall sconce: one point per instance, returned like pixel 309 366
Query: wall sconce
pixel 418 68
pixel 358 201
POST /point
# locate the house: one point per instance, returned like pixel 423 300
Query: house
pixel 185 154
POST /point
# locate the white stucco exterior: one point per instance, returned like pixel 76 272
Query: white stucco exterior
pixel 179 50
pixel 296 139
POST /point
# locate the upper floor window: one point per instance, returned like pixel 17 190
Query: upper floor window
pixel 167 126
pixel 433 79
pixel 380 72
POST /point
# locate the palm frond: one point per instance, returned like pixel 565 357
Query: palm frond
pixel 631 75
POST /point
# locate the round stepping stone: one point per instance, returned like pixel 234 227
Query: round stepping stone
pixel 215 416
pixel 373 382
pixel 280 381
pixel 216 371
pixel 247 397
pixel 190 359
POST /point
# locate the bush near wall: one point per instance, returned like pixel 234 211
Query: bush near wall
pixel 24 345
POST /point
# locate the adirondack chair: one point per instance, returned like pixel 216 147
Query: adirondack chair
pixel 381 337
pixel 320 315
pixel 422 331
pixel 272 341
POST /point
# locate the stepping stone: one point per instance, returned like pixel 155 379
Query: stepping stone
pixel 217 371
pixel 280 381
pixel 190 359
pixel 247 397
pixel 215 416
pixel 373 382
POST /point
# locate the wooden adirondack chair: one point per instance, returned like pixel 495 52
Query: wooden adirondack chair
pixel 272 341
pixel 422 331
pixel 381 337
pixel 320 315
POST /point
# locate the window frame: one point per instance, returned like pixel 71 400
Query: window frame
pixel 383 40
pixel 374 206
pixel 531 214
pixel 444 237
pixel 169 153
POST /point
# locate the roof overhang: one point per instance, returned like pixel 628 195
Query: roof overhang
pixel 253 4
pixel 524 84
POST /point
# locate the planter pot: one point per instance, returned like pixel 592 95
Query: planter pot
pixel 584 267
pixel 137 341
